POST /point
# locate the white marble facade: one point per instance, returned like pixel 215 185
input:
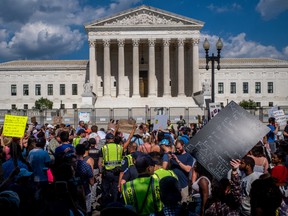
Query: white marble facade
pixel 143 56
pixel 144 52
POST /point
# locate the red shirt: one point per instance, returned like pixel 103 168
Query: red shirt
pixel 280 173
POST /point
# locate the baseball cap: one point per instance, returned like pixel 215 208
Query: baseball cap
pixel 11 198
pixel 164 142
pixel 50 126
pixel 92 141
pixel 23 173
pixel 185 139
pixel 144 161
pixel 81 131
pixel 109 136
pixel 137 140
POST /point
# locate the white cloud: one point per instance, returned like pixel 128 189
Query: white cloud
pixel 41 40
pixel 226 8
pixel 238 47
pixel 48 28
pixel 271 8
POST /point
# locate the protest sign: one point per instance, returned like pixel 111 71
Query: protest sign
pixel 214 109
pixel 280 117
pixel 229 135
pixel 14 126
pixel 57 120
pixel 126 125
pixel 84 116
pixel 160 122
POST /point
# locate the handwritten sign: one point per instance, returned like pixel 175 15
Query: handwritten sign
pixel 14 126
pixel 229 135
pixel 126 125
pixel 280 117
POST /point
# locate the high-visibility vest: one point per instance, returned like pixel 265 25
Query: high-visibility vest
pixel 134 193
pixel 112 155
pixel 76 141
pixel 129 160
pixel 161 173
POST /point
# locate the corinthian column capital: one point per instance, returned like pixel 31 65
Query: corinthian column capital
pixel 152 42
pixel 106 42
pixel 135 42
pixel 166 41
pixel 181 41
pixel 92 43
pixel 195 41
pixel 121 42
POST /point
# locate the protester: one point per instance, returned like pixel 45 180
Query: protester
pixel 181 164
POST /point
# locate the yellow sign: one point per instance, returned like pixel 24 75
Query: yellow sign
pixel 14 126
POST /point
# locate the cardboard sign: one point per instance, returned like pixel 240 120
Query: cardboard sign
pixel 126 125
pixel 57 120
pixel 14 126
pixel 229 135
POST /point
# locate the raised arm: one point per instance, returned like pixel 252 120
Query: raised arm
pixel 130 137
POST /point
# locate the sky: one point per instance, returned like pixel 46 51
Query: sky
pixel 54 29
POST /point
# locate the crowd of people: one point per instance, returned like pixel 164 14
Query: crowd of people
pixel 61 170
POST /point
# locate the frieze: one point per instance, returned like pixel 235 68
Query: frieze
pixel 144 19
pixel 112 33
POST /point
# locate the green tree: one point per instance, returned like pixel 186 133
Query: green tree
pixel 250 104
pixel 43 103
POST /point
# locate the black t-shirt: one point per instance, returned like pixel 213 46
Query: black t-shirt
pixel 94 153
pixel 286 130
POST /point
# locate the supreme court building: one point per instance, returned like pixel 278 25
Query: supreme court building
pixel 142 56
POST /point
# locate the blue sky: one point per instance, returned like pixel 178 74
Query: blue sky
pixel 54 29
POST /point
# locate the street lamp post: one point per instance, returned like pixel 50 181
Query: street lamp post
pixel 219 46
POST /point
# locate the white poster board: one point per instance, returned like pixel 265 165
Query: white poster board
pixel 270 111
pixel 160 122
pixel 214 109
pixel 280 117
pixel 84 116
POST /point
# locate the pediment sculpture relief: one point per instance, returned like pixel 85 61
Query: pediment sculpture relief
pixel 144 19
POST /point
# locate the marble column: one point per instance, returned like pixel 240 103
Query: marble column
pixel 93 66
pixel 135 68
pixel 166 67
pixel 195 60
pixel 181 81
pixel 151 74
pixel 107 68
pixel 121 67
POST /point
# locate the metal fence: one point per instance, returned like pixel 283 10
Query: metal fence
pixel 102 116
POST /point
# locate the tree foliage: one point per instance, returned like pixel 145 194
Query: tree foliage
pixel 250 104
pixel 43 103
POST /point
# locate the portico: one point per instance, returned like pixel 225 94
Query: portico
pixel 144 52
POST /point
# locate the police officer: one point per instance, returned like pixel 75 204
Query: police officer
pixel 109 166
pixel 127 167
pixel 143 193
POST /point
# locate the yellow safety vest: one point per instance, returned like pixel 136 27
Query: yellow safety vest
pixel 76 141
pixel 134 193
pixel 161 173
pixel 112 155
pixel 129 160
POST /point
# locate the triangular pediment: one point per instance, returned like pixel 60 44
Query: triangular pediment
pixel 145 16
